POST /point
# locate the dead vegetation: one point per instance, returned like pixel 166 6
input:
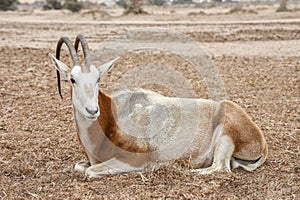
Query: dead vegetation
pixel 38 152
pixel 39 146
pixel 242 10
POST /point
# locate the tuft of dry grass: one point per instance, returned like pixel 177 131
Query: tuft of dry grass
pixel 241 10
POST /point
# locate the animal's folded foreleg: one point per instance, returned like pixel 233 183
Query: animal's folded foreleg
pixel 112 166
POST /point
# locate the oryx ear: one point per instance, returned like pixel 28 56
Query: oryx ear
pixel 107 66
pixel 61 67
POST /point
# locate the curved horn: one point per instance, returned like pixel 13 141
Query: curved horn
pixel 74 56
pixel 85 48
pixel 71 48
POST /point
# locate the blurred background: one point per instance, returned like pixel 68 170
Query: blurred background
pixel 103 7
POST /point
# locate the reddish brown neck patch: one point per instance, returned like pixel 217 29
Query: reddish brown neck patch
pixel 110 128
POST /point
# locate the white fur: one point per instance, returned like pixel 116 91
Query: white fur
pixel 86 86
pixel 112 166
pixel 85 91
pixel 222 155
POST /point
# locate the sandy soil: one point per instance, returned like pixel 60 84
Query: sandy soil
pixel 258 56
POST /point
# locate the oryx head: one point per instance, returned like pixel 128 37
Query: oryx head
pixel 83 78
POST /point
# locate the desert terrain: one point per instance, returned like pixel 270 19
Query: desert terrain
pixel 255 49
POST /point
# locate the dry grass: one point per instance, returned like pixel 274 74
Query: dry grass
pixel 39 146
pixel 38 152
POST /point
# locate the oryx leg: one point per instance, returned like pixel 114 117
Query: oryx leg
pixel 112 166
pixel 81 166
pixel 222 155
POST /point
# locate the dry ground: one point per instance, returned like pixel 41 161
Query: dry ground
pixel 258 60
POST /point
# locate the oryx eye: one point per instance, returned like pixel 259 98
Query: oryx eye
pixel 98 80
pixel 73 81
